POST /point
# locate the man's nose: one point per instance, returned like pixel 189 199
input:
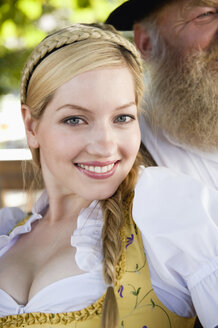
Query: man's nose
pixel 102 141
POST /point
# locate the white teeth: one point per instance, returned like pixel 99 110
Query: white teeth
pixel 104 169
pixel 97 169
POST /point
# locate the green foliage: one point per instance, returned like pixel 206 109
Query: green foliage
pixel 23 23
pixel 11 63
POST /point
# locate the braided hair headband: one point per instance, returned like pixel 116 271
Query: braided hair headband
pixel 69 35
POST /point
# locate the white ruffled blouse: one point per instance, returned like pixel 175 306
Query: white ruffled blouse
pixel 178 220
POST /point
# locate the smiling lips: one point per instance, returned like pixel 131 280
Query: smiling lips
pixel 98 170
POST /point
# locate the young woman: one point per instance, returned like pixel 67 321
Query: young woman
pixel 79 259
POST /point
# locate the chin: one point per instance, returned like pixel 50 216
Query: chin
pixel 102 194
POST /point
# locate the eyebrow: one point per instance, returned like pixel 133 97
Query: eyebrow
pixel 74 106
pixel 204 3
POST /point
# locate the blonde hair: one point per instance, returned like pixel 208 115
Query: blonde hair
pixel 57 59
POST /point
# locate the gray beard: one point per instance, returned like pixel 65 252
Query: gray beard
pixel 182 96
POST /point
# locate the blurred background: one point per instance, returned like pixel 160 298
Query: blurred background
pixel 23 24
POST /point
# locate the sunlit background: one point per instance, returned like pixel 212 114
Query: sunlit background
pixel 23 24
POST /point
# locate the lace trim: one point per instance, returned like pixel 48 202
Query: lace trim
pixel 68 317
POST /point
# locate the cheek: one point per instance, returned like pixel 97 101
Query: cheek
pixel 194 38
pixel 191 39
pixel 202 40
pixel 52 148
pixel 136 143
pixel 56 142
pixel 132 142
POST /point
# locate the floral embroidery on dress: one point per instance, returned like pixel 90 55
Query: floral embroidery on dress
pixel 144 302
pixel 137 267
pixel 130 240
pixel 120 291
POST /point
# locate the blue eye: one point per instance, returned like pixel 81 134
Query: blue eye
pixel 124 119
pixel 74 120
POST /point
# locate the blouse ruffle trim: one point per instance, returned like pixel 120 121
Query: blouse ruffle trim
pixel 23 226
pixel 87 238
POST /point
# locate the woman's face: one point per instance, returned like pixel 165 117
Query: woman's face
pixel 88 135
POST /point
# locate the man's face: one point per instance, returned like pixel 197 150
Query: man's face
pixel 189 25
pixel 182 88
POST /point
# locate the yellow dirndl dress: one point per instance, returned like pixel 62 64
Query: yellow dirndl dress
pixel 138 305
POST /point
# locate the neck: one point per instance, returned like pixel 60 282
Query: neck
pixel 65 207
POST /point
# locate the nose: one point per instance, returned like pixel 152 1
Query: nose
pixel 102 141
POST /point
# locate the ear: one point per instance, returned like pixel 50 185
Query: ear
pixel 30 127
pixel 142 40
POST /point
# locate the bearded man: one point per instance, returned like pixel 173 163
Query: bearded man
pixel 178 40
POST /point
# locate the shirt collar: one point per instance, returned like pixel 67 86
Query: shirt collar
pixel 213 155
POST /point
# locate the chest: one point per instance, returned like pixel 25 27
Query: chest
pixel 38 259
